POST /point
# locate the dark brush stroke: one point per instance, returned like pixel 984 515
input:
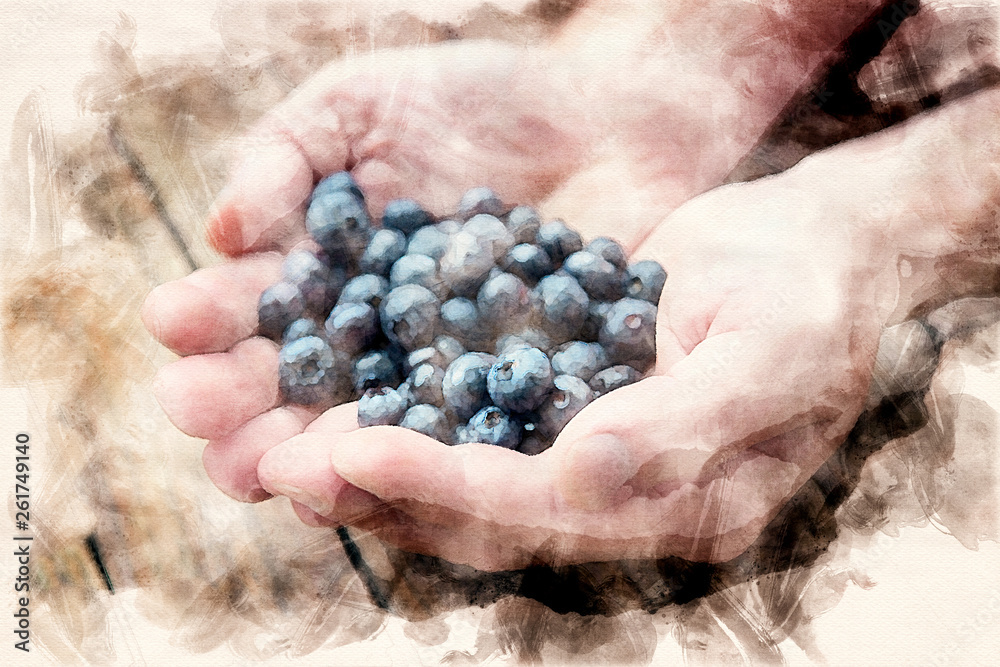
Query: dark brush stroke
pixel 834 101
pixel 139 172
pixel 372 584
pixel 95 554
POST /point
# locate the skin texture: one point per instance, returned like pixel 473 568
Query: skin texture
pixel 767 325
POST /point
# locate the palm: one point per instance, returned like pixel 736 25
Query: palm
pixel 763 365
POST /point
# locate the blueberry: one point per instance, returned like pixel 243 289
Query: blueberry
pixel 430 241
pixel 300 264
pixel 528 262
pixel 529 337
pixel 629 333
pixel 366 288
pixel 427 355
pixel 460 318
pixel 381 406
pixel 427 419
pixel 384 248
pixel 406 215
pixel 309 372
pixel 523 223
pixel 479 200
pixel 352 327
pixel 569 396
pixel 406 393
pixel 520 380
pixel 613 378
pixel 466 264
pixel 341 180
pixel 563 305
pixel 317 283
pixel 510 342
pixel 492 426
pixel 558 240
pixel 375 369
pixel 464 384
pixel 644 280
pixel 449 226
pixel 416 270
pixel 599 278
pixel 279 305
pixel 339 222
pixel 410 316
pixel 300 328
pixel 597 313
pixel 450 348
pixel 504 302
pixel 608 250
pixel 580 359
pixel 489 229
pixel 425 382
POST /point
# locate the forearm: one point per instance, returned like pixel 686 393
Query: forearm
pixel 930 189
pixel 676 94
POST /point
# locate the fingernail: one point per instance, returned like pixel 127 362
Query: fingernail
pixel 313 502
pixel 225 233
pixel 257 495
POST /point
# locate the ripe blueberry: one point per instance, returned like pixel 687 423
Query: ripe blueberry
pixel 279 306
pixel 520 380
pixel 629 333
pixel 351 327
pixel 492 426
pixel 384 248
pixel 410 315
pixel 406 215
pixel 381 406
pixel 644 280
pixel 464 383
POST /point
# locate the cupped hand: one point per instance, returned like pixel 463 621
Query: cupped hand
pixel 767 331
pixel 764 347
pixel 422 123
pixel 425 123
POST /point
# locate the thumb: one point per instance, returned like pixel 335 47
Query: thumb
pixel 735 397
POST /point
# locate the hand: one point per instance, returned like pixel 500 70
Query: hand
pixel 769 324
pixel 426 123
pixel 766 338
pixel 338 121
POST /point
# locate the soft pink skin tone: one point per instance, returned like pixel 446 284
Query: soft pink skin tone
pixel 766 334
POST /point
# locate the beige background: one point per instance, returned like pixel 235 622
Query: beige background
pixel 928 601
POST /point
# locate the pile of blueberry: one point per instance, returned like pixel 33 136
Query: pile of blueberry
pixel 486 327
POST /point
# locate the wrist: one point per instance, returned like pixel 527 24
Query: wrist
pixel 922 200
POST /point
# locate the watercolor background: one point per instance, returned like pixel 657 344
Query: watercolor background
pixel 919 597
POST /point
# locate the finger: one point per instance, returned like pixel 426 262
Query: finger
pixel 212 309
pixel 732 392
pixel 340 419
pixel 300 469
pixel 263 205
pixel 457 538
pixel 231 461
pixel 211 395
pixel 310 518
pixel 489 482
